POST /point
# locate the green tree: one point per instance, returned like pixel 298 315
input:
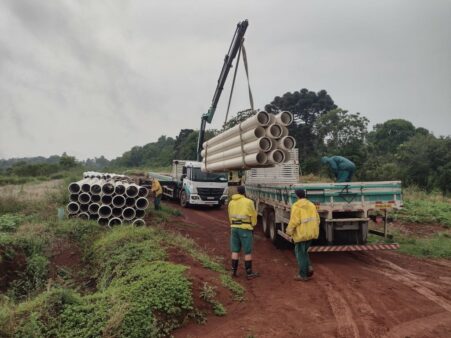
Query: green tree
pixel 387 136
pixel 67 162
pixel 240 117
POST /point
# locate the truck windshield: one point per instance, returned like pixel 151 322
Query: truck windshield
pixel 200 176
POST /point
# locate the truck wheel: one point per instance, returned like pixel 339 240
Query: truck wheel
pixel 265 225
pixel 272 225
pixel 184 199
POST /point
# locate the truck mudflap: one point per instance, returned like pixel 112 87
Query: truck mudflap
pixel 341 248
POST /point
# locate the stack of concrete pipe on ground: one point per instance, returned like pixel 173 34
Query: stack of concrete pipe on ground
pixel 108 198
pixel 260 141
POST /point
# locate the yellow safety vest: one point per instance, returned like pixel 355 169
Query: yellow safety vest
pixel 304 221
pixel 242 213
pixel 156 187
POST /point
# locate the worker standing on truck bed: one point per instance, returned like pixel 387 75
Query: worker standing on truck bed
pixel 157 191
pixel 342 168
pixel 243 218
pixel 303 228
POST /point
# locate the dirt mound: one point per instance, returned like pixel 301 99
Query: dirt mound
pixel 13 263
pixel 363 294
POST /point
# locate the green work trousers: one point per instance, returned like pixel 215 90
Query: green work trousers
pixel 301 252
pixel 156 202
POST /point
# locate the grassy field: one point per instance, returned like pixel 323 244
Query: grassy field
pixel 72 278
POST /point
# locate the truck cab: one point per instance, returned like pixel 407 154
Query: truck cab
pixel 189 185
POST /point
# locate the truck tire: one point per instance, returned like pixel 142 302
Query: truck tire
pixel 265 225
pixel 273 227
pixel 184 200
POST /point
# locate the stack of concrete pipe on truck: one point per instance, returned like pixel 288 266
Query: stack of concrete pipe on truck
pixel 260 141
pixel 109 199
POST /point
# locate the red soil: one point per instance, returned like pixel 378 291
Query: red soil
pixel 363 294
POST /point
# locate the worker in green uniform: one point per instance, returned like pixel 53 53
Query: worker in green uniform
pixel 342 168
pixel 303 228
pixel 157 191
pixel 243 218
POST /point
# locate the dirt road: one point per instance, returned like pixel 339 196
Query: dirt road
pixel 365 294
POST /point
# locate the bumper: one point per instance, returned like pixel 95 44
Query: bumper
pixel 196 200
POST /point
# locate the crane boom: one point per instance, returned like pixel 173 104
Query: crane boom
pixel 235 46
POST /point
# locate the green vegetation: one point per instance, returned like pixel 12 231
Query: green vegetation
pixel 123 286
pixel 420 207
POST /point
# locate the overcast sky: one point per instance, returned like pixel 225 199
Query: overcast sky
pixel 97 77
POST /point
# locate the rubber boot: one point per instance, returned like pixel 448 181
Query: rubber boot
pixel 249 273
pixel 234 267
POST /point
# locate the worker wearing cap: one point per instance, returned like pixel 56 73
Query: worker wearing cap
pixel 342 168
pixel 243 218
pixel 157 191
pixel 303 228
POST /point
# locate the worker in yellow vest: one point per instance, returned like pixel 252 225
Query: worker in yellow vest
pixel 157 191
pixel 303 228
pixel 243 218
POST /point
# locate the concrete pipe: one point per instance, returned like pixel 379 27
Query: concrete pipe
pixel 284 131
pixel 107 199
pixel 274 131
pixel 118 201
pixel 286 143
pixel 108 188
pixel 93 217
pixel 86 186
pixel 261 119
pixel 131 190
pixel 276 156
pixel 96 198
pixel 233 142
pixel 140 213
pixel 285 118
pixel 143 192
pixel 74 187
pixel 130 202
pixel 73 197
pixel 114 221
pixel 128 214
pixel 84 207
pixel 142 203
pixel 119 188
pixel 288 155
pixel 139 222
pixel 236 163
pixel 102 221
pixel 117 212
pixel 73 208
pixel 84 215
pixel 262 144
pixel 105 211
pixel 84 198
pixel 96 188
pixel 93 208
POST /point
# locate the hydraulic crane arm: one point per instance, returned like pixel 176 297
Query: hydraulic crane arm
pixel 228 60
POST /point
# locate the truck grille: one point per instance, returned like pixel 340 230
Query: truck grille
pixel 210 194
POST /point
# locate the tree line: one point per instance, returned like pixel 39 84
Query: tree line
pixel 393 150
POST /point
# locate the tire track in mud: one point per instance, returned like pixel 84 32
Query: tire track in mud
pixel 421 326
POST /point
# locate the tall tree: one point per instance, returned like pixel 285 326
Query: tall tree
pixel 387 136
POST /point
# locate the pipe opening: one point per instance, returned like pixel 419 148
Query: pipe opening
pixel 84 207
pixel 96 198
pixel 73 208
pixel 263 118
pixel 275 130
pixel 84 198
pixel 118 201
pixel 132 191
pixel 84 216
pixel 277 156
pixel 288 142
pixel 140 213
pixel 261 158
pixel 96 189
pixel 139 222
pixel 117 212
pixel 93 208
pixel 74 188
pixel 142 203
pixel 73 197
pixel 286 118
pixel 143 192
pixel 93 217
pixel 130 202
pixel 105 211
pixel 120 189
pixel 114 221
pixel 85 187
pixel 108 189
pixel 107 199
pixel 265 144
pixel 259 132
pixel 128 214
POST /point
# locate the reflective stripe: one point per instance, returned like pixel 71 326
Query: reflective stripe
pixel 308 220
pixel 240 216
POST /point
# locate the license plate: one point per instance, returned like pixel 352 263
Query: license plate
pixel 210 198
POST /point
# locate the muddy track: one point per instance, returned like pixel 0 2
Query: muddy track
pixel 368 294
